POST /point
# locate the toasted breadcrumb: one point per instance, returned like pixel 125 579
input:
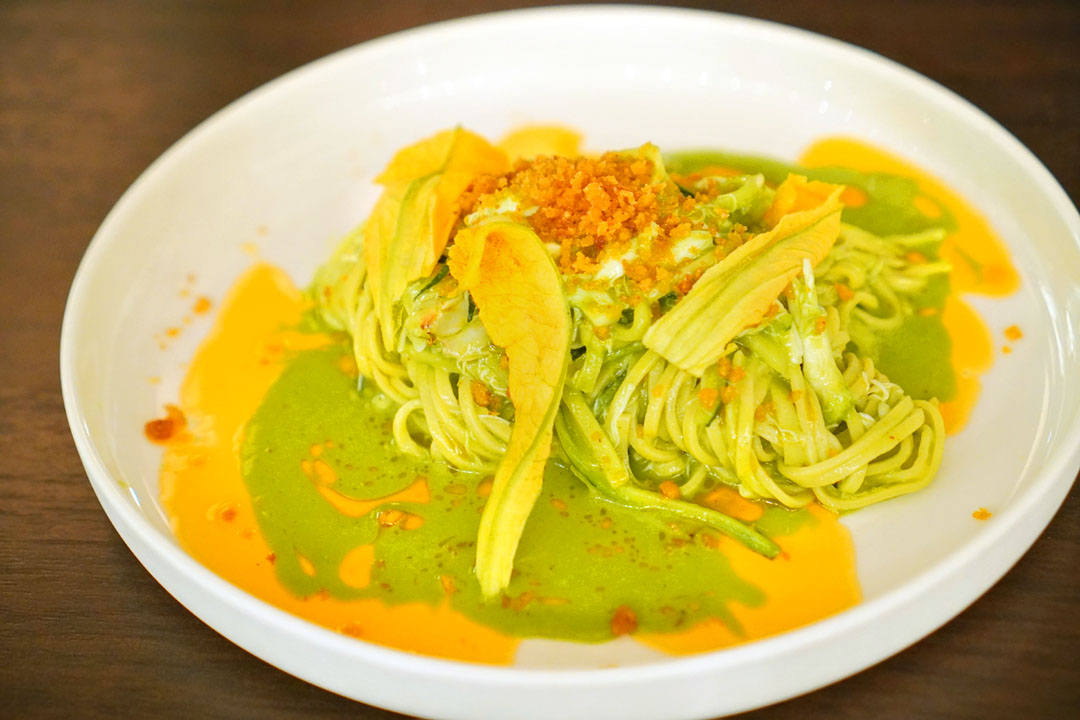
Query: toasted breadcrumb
pixel 624 621
pixel 593 207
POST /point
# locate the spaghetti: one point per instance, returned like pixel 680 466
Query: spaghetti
pixel 790 409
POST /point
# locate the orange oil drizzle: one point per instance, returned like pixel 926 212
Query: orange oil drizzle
pixel 415 493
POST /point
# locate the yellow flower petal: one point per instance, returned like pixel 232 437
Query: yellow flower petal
pixel 456 149
pixel 412 221
pixel 796 194
pixel 518 292
pixel 532 140
pixel 737 292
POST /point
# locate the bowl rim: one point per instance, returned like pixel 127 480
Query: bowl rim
pixel 1040 500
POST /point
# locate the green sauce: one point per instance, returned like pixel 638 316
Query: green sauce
pixel 579 559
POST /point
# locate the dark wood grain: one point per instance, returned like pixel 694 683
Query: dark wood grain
pixel 92 92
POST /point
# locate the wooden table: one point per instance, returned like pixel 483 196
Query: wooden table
pixel 92 92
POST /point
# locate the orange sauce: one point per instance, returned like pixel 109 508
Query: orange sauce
pixel 813 578
pixel 211 512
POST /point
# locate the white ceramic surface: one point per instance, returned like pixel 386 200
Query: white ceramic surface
pixel 288 168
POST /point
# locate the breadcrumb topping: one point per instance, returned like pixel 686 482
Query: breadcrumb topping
pixel 598 209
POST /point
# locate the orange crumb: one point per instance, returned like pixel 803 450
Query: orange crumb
pixel 228 513
pixel 982 514
pixel 352 630
pixel 736 374
pixel 708 397
pixel 844 291
pixel 480 393
pixel 728 394
pixel 518 603
pixel 448 585
pixel 1013 333
pixel 928 311
pixel 670 490
pixel 723 367
pixel 795 395
pixel 173 332
pixel 594 206
pixel 686 283
pixel 202 305
pixel 624 621
pixel 915 257
pixel 763 410
pixel 819 325
pixel 558 504
pixel 1006 349
pixel 730 502
pixel 587 203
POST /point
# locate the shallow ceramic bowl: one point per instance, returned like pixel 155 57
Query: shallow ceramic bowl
pixel 289 168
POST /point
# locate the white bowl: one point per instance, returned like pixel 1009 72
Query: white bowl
pixel 289 167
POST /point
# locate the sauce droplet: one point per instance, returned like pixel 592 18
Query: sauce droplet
pixel 164 429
